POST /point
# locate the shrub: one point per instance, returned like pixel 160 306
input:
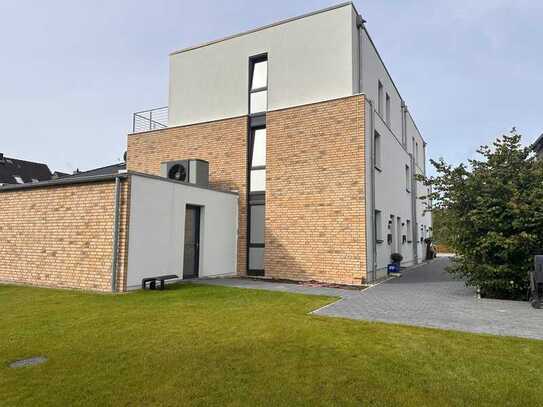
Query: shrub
pixel 396 258
pixel 494 215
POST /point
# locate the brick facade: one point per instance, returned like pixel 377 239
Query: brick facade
pixel 62 236
pixel 315 206
pixel 222 143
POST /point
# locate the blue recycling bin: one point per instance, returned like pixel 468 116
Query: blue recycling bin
pixel 393 268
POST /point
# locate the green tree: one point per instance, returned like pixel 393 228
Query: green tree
pixel 440 228
pixel 494 219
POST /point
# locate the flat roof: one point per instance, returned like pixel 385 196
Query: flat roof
pixel 288 20
pixel 101 178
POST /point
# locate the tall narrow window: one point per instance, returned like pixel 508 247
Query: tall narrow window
pixel 257 201
pixel 416 153
pixel 256 164
pixel 387 110
pixel 258 87
pixel 378 227
pixel 408 230
pixel 380 98
pixel 258 160
pixel 377 150
pixel 407 178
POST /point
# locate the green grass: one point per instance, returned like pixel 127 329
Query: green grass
pixel 207 346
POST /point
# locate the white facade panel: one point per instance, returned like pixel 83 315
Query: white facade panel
pixel 393 199
pixel 373 72
pixel 157 227
pixel 309 60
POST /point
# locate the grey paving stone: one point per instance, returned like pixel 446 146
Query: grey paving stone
pixel 424 296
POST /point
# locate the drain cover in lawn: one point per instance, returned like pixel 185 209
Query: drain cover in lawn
pixel 28 362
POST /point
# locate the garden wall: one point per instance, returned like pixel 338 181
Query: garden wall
pixel 60 234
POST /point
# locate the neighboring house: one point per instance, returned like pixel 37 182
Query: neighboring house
pixel 16 171
pixel 300 157
pixel 59 174
pixel 303 118
pixel 107 170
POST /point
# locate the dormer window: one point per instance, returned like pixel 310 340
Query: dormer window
pixel 18 179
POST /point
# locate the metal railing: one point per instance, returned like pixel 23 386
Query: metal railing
pixel 148 120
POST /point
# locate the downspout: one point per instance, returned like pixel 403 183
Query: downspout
pixel 415 226
pixel 373 240
pixel 360 26
pixel 116 224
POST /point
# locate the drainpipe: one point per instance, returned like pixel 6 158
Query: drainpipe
pixel 360 26
pixel 116 224
pixel 372 190
pixel 414 225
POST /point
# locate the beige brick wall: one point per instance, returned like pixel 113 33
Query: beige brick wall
pixel 61 236
pixel 315 212
pixel 315 205
pixel 222 143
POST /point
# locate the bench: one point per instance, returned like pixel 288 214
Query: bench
pixel 153 280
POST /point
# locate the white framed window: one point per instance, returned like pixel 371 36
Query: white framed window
pixel 377 150
pixel 18 179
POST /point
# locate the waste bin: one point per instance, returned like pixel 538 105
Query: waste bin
pixel 536 282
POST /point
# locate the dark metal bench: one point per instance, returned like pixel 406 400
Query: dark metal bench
pixel 153 280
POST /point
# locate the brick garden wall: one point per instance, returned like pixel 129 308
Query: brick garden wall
pixel 62 236
pixel 315 213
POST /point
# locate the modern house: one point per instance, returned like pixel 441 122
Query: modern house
pixel 16 171
pixel 286 152
pixel 303 118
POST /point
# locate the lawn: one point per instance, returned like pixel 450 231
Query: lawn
pixel 217 346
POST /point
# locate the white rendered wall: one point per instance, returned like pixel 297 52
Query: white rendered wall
pixel 309 60
pixel 157 226
pixel 390 195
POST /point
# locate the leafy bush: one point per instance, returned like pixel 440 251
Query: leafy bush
pixel 494 215
pixel 396 258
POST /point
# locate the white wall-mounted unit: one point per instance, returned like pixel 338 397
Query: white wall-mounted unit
pixel 191 171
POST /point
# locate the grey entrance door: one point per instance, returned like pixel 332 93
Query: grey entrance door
pixel 192 242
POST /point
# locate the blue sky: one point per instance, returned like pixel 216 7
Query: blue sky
pixel 73 72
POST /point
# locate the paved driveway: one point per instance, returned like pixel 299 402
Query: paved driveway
pixel 427 296
pixel 424 296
